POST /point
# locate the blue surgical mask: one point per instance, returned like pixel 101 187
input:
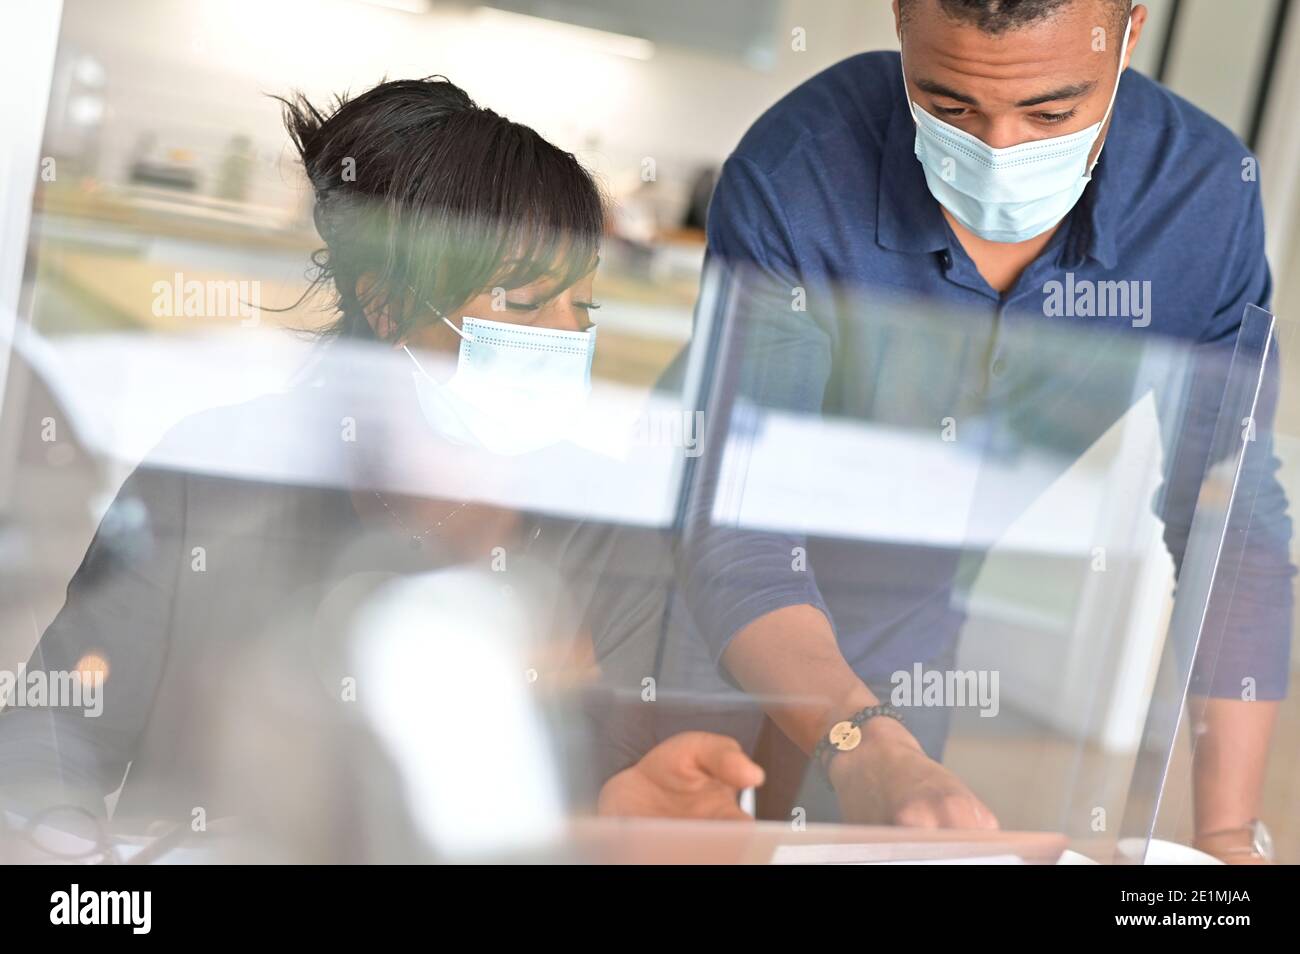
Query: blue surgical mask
pixel 516 389
pixel 1011 194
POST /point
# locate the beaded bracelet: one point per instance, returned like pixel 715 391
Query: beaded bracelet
pixel 845 736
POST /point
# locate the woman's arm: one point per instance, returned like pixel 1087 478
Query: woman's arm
pixel 117 618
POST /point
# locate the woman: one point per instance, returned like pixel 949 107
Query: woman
pixel 448 230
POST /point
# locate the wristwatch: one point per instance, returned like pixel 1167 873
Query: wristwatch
pixel 845 736
pixel 1258 841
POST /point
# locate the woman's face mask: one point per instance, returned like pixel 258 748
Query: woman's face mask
pixel 516 389
pixel 519 385
pixel 1011 194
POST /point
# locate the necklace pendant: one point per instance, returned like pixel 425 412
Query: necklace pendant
pixel 416 543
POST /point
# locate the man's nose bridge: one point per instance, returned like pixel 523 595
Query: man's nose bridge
pixel 1004 131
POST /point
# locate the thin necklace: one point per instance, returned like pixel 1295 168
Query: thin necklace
pixel 417 539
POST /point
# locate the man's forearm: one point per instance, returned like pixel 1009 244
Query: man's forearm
pixel 791 656
pixel 1231 756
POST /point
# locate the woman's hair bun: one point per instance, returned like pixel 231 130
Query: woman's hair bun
pixel 351 128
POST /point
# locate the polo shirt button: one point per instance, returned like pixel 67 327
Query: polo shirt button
pixel 946 260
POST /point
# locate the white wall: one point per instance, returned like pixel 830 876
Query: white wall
pixel 195 71
pixel 1218 57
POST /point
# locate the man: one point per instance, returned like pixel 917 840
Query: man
pixel 922 174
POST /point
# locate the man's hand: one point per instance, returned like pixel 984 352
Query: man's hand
pixel 791 654
pixel 691 775
pixel 889 780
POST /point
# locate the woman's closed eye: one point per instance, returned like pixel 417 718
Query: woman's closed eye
pixel 525 307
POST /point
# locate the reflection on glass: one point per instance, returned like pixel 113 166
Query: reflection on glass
pixel 454 551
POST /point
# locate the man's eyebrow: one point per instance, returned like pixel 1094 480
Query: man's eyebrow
pixel 938 89
pixel 1073 91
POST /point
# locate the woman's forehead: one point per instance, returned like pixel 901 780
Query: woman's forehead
pixel 551 277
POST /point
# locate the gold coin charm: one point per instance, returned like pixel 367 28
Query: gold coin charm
pixel 845 736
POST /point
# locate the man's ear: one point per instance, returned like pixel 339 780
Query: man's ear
pixel 1139 15
pixel 376 315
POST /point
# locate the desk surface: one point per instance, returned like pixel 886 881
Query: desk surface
pixel 654 841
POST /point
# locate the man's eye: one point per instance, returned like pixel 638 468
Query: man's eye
pixel 522 306
pixel 1056 117
pixel 951 110
pixel 587 305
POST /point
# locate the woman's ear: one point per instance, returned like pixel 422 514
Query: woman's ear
pixel 376 313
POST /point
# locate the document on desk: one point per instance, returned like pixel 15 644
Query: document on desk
pixel 894 486
pixel 871 855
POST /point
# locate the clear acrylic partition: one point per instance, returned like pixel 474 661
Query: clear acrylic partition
pixel 1225 535
pixel 1257 525
pixel 979 504
pixel 249 492
pixel 207 512
pixel 989 506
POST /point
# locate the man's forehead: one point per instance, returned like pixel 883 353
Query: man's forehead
pixel 1057 57
pixel 998 18
pixel 1077 28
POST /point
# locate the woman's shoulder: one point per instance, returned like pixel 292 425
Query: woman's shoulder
pixel 279 439
pixel 246 464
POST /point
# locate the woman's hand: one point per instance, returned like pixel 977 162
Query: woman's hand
pixel 691 775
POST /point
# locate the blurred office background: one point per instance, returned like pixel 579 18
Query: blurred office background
pixel 143 145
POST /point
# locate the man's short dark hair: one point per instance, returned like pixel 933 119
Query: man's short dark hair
pixel 999 16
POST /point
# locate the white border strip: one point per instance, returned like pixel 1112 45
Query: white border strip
pixel 28 41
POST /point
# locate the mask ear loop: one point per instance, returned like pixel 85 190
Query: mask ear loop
pixel 419 367
pixel 1123 48
pixel 903 70
pixel 463 335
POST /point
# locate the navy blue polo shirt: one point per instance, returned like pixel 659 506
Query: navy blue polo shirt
pixel 824 193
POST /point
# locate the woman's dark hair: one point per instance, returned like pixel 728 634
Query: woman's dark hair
pixel 439 199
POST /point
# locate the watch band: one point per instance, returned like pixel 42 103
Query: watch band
pixel 1252 838
pixel 845 736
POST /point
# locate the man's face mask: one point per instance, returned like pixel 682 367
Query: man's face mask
pixel 1011 194
pixel 516 388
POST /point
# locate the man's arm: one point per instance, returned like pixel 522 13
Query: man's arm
pixel 1241 666
pixel 791 655
pixel 755 602
pixel 1228 768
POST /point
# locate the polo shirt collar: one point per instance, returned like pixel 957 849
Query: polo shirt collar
pixel 1095 217
pixel 907 216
